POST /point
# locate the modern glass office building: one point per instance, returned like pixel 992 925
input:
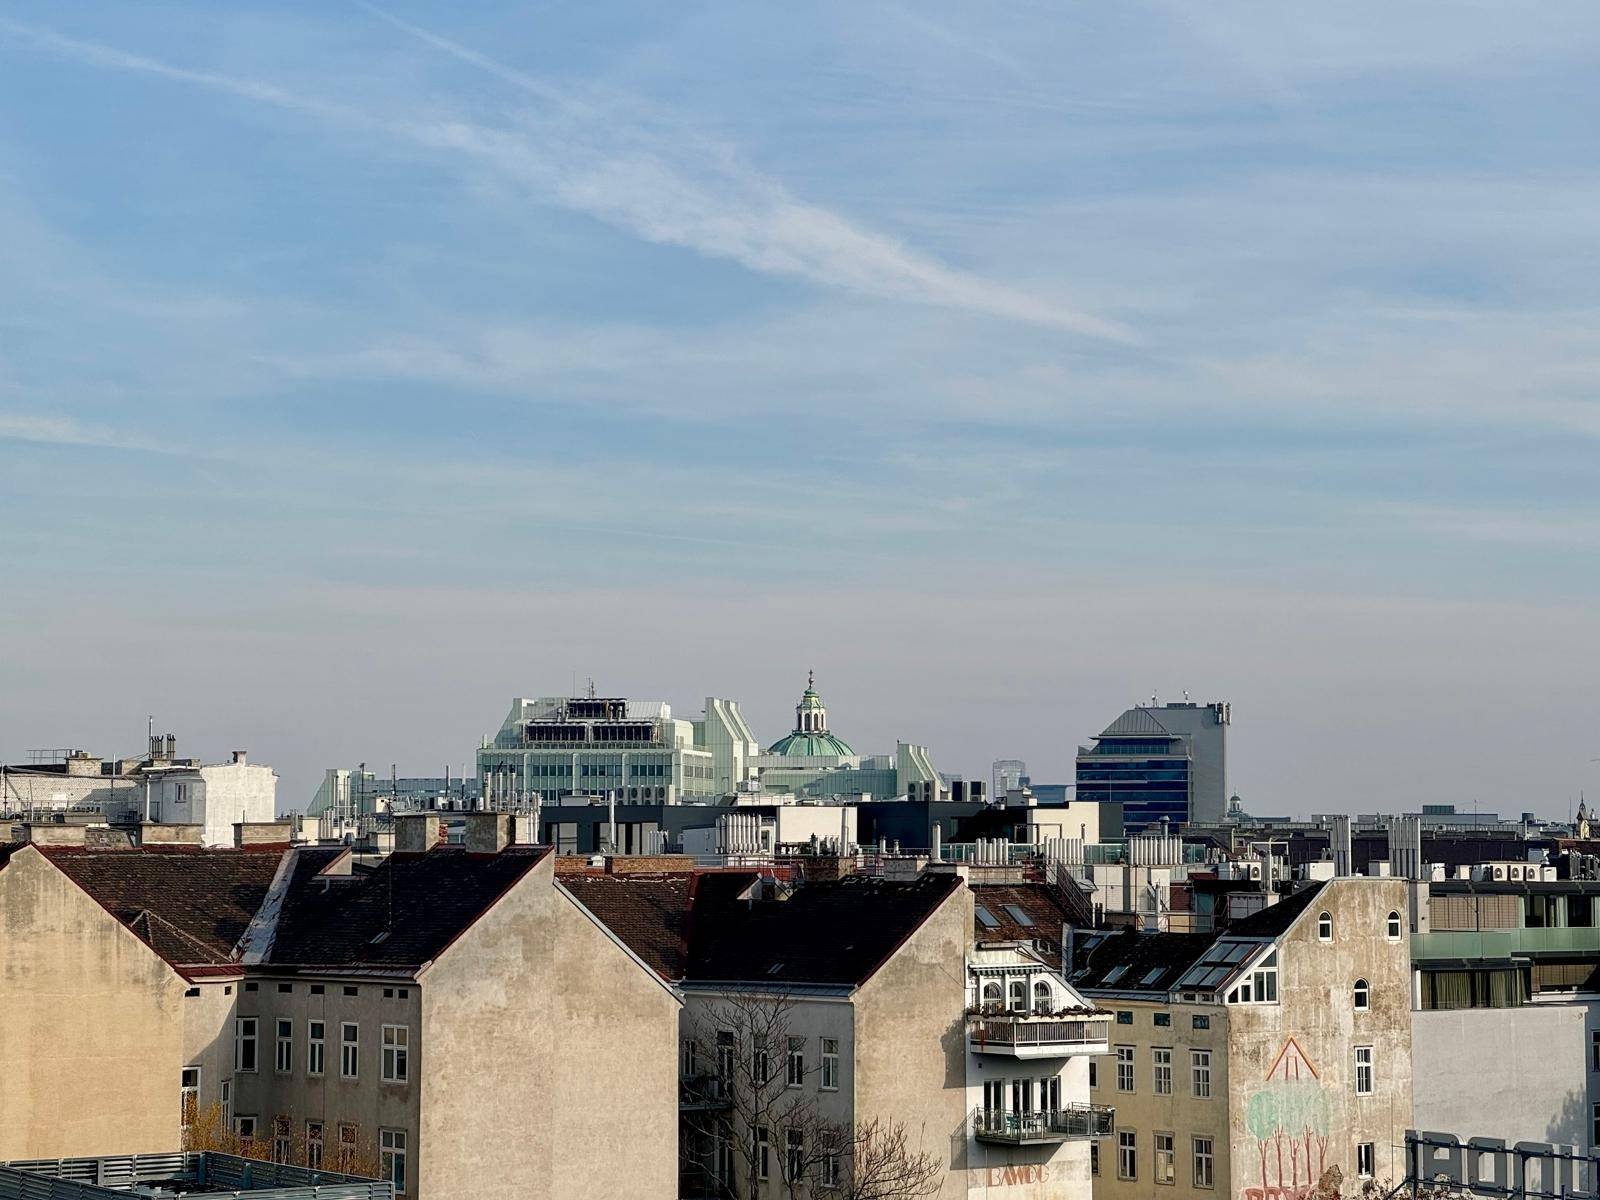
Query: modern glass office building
pixel 1160 763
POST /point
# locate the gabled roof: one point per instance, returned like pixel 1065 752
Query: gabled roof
pixel 401 915
pixel 653 914
pixel 1275 919
pixel 188 904
pixel 831 933
pixel 1131 961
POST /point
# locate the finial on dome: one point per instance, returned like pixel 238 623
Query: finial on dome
pixel 811 680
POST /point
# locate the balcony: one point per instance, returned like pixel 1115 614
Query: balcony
pixel 1024 1035
pixel 703 1093
pixel 1043 1128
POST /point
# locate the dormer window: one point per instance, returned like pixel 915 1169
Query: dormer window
pixel 993 997
pixel 1041 997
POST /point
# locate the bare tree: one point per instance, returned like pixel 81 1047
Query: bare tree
pixel 751 1103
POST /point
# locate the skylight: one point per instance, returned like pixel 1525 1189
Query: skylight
pixel 1017 915
pixel 1151 976
pixel 985 917
pixel 1116 972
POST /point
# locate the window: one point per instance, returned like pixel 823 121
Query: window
pixel 252 987
pixel 1363 1070
pixel 349 1135
pixel 1022 1095
pixel 1124 1068
pixel 226 1096
pixel 1161 1020
pixel 796 1075
pixel 691 1058
pixel 994 1095
pixel 245 1127
pixel 314 1145
pixel 763 1151
pixel 1325 927
pixel 350 991
pixel 1161 1070
pixel 1094 1158
pixel 189 1096
pixel 392 1157
pixel 1165 1172
pixel 1594 1139
pixel 1361 994
pixel 1050 1094
pixel 1392 929
pixel 244 1044
pixel 1365 1159
pixel 1124 1016
pixel 794 1154
pixel 1041 997
pixel 993 997
pixel 726 1051
pixel 1127 1154
pixel 282 1139
pixel 396 1053
pixel 316 1047
pixel 1094 1073
pixel 1200 1022
pixel 1260 986
pixel 285 988
pixel 283 1062
pixel 1019 996
pixel 349 1050
pixel 1594 1052
pixel 1200 1073
pixel 830 1169
pixel 830 1065
pixel 1205 1162
pixel 761 1068
pixel 1580 911
pixel 316 989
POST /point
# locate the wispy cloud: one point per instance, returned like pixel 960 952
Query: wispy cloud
pixel 66 431
pixel 665 189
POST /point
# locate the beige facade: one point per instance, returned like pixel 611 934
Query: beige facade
pixel 1317 1075
pixel 90 1024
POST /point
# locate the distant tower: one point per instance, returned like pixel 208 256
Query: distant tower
pixel 1007 773
pixel 1583 818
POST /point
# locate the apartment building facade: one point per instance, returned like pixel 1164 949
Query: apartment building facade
pixel 406 1016
pixel 1249 1062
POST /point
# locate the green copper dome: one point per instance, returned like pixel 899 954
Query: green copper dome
pixel 810 738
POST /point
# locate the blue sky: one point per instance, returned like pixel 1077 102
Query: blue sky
pixel 362 367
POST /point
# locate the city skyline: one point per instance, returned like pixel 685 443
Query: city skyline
pixel 361 368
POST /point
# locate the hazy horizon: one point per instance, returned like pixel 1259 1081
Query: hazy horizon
pixel 362 368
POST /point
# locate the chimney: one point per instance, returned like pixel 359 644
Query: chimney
pixel 172 746
pixel 416 832
pixel 238 758
pixel 488 832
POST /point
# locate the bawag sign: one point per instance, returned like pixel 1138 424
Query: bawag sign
pixel 1489 1167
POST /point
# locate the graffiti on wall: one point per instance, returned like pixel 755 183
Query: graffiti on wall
pixel 1289 1119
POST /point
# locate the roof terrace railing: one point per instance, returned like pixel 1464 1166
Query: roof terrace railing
pixel 113 1177
pixel 1069 1121
pixel 1021 1029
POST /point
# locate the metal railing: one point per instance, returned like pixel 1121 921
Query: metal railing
pixel 112 1177
pixel 1021 1029
pixel 1060 1124
pixel 703 1092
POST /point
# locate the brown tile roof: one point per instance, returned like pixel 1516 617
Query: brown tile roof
pixel 189 905
pixel 652 914
pixel 1040 903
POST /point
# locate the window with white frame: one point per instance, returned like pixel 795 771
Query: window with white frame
pixel 1124 1068
pixel 1050 1094
pixel 727 1052
pixel 1022 1095
pixel 392 1157
pixel 282 1139
pixel 796 1072
pixel 794 1154
pixel 1127 1154
pixel 761 1139
pixel 1363 1070
pixel 691 1058
pixel 761 1066
pixel 1019 995
pixel 189 1096
pixel 993 996
pixel 830 1065
pixel 316 1047
pixel 1161 1070
pixel 245 1126
pixel 1205 1162
pixel 1361 995
pixel 831 1175
pixel 1366 1159
pixel 244 1044
pixel 225 1095
pixel 314 1145
pixel 396 1053
pixel 1259 986
pixel 1392 927
pixel 283 1059
pixel 349 1050
pixel 1166 1171
pixel 1200 1073
pixel 1325 927
pixel 349 1140
pixel 1041 997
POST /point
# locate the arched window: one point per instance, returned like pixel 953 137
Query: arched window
pixel 1362 995
pixel 1325 927
pixel 1394 927
pixel 1041 997
pixel 993 998
pixel 1019 995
